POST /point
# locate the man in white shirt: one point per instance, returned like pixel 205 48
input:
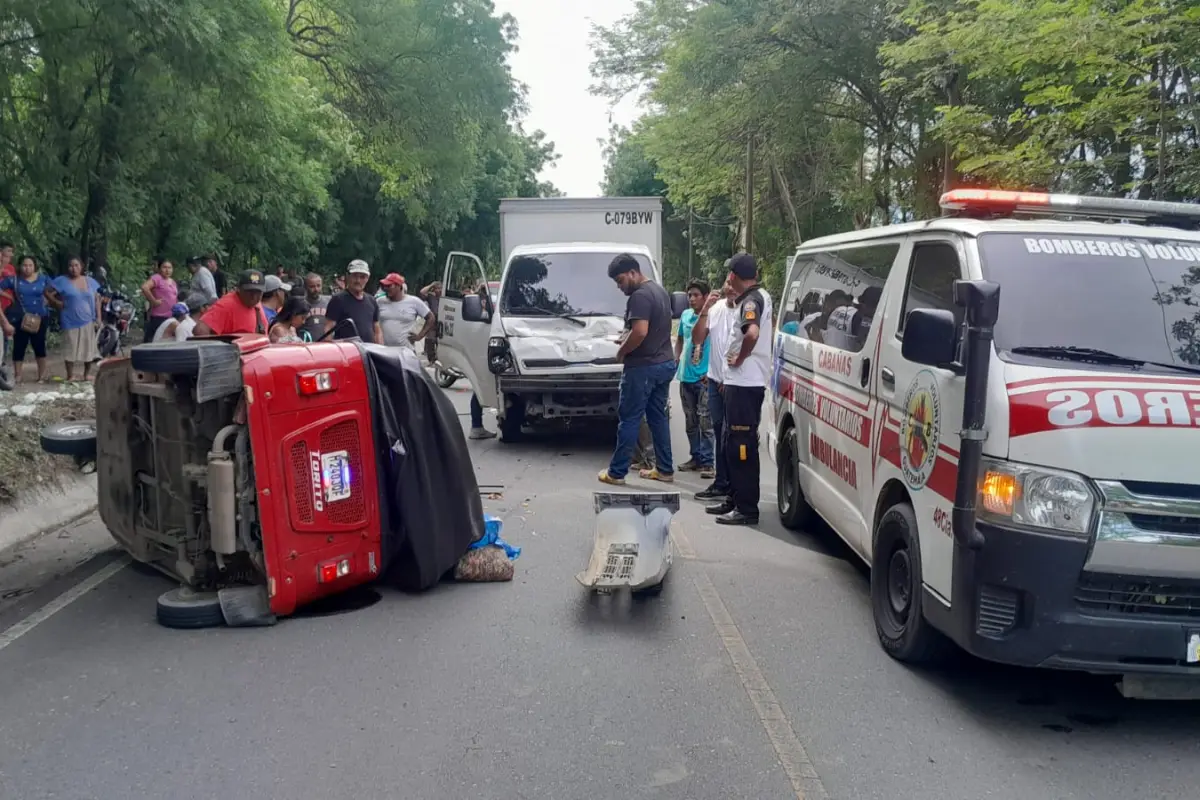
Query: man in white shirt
pixel 399 313
pixel 747 373
pixel 715 325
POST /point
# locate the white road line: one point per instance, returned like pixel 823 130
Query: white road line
pixel 794 759
pixel 62 601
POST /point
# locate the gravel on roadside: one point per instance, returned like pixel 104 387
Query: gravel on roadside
pixel 23 464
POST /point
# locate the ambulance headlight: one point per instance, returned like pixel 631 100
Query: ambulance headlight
pixel 1035 497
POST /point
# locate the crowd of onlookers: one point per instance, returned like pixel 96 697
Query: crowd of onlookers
pixel 288 309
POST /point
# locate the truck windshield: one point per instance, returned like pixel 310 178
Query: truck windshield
pixel 558 284
pixel 1129 297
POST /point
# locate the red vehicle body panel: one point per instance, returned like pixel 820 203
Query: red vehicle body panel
pixel 289 432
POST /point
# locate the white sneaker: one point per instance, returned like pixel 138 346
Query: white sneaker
pixel 481 433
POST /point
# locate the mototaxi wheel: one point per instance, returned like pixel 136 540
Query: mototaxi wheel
pixel 186 609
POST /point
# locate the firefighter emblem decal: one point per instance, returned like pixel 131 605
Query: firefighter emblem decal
pixel 920 429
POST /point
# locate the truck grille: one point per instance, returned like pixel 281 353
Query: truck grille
pixel 1141 596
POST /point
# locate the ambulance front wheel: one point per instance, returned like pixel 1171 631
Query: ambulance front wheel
pixel 794 511
pixel 897 594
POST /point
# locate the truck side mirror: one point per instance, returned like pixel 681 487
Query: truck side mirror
pixel 930 337
pixel 679 304
pixel 472 309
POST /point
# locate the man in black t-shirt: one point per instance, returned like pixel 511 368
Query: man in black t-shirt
pixel 649 359
pixel 357 305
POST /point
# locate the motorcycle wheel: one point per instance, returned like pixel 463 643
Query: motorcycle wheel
pixel 445 378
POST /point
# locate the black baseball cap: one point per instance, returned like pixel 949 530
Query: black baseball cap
pixel 744 266
pixel 252 279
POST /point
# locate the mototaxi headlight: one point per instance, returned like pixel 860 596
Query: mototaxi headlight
pixel 1035 497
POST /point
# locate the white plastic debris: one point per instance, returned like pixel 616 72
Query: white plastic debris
pixel 632 545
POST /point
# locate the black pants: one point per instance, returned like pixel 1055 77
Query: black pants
pixel 743 413
pixel 152 325
pixel 22 340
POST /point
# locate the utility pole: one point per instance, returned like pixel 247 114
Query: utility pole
pixel 749 214
pixel 691 228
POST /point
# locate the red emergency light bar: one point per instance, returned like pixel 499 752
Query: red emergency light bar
pixel 992 203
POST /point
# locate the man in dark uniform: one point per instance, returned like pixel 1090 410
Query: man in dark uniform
pixel 747 373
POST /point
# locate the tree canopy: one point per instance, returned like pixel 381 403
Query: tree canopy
pixel 863 111
pixel 295 132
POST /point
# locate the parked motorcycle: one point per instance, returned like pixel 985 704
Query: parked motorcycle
pixel 117 317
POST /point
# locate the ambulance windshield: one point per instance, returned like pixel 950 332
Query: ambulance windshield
pixel 1131 297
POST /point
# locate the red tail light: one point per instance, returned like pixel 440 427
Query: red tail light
pixel 330 571
pixel 310 383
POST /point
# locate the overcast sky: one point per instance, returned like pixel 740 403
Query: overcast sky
pixel 553 61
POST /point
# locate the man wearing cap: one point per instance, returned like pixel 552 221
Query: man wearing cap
pixel 356 305
pixel 169 330
pixel 649 361
pixel 748 370
pixel 239 311
pixel 274 296
pixel 399 312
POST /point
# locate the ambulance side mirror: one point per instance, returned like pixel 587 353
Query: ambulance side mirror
pixel 679 304
pixel 930 338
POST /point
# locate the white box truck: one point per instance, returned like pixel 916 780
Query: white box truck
pixel 545 348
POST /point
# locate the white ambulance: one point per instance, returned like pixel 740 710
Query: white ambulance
pixel 997 410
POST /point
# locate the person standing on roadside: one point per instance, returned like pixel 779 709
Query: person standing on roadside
pixel 239 311
pixel 219 281
pixel 77 296
pixel 7 298
pixel 28 317
pixel 399 313
pixel 355 304
pixel 748 370
pixel 161 293
pixel 274 296
pixel 714 327
pixel 693 384
pixel 649 368
pixel 204 288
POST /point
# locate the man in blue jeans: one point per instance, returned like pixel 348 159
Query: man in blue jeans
pixel 649 361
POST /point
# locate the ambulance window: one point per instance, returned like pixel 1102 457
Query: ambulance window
pixel 931 279
pixel 845 288
pixel 792 308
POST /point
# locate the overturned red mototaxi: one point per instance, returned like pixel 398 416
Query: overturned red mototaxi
pixel 264 477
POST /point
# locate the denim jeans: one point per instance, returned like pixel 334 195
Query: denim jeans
pixel 476 413
pixel 694 397
pixel 644 392
pixel 716 412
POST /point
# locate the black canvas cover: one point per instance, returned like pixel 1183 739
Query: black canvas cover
pixel 429 497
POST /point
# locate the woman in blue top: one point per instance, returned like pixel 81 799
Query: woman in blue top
pixel 78 298
pixel 28 316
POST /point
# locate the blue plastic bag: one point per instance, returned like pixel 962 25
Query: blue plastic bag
pixel 491 537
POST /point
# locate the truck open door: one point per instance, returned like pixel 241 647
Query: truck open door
pixel 462 342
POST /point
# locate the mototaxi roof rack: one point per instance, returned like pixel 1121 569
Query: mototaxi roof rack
pixel 1000 204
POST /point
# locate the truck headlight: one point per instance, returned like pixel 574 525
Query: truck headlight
pixel 499 357
pixel 1035 497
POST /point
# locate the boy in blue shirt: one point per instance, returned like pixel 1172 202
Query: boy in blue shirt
pixel 693 384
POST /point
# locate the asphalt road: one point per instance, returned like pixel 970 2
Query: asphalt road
pixel 759 656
